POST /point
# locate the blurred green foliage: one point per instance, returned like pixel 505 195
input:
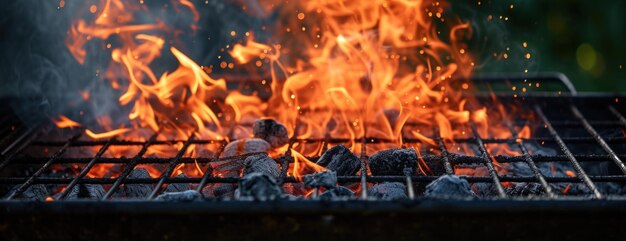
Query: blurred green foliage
pixel 581 38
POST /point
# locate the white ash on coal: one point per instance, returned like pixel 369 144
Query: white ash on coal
pixel 261 163
pixel 337 192
pixel 178 187
pixel 388 191
pixel 341 160
pixel 393 162
pixel 327 179
pixel 258 186
pixel 83 191
pixel 525 189
pixel 449 186
pixel 245 146
pixel 184 196
pixel 271 131
pixel 35 192
pixel 133 191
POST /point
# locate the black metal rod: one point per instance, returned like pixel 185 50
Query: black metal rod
pixel 619 116
pixel 53 158
pixel 173 163
pixel 9 149
pixel 598 138
pixel 529 160
pixel 129 167
pixel 444 152
pixel 579 170
pixel 86 169
pixel 364 162
pixel 487 160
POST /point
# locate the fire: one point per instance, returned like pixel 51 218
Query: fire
pixel 344 69
pixel 64 122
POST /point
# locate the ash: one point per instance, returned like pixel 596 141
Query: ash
pixel 185 196
pixel 388 190
pixel 449 186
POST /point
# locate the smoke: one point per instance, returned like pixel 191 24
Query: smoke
pixel 42 79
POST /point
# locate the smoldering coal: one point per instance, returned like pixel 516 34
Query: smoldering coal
pixel 449 186
pixel 393 162
pixel 261 163
pixel 259 187
pixel 83 191
pixel 184 196
pixel 337 192
pixel 134 191
pixel 178 187
pixel 327 179
pixel 341 160
pixel 388 191
pixel 245 146
pixel 271 131
pixel 35 192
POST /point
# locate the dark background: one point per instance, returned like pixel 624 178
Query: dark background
pixel 581 38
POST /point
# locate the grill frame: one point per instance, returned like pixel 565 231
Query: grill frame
pixel 449 160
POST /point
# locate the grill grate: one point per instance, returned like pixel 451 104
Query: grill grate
pixel 557 115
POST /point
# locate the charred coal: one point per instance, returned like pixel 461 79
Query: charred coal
pixel 337 192
pixel 135 190
pixel 241 147
pixel 449 186
pixel 178 187
pixel 261 163
pixel 341 160
pixel 327 179
pixel 185 196
pixel 258 186
pixel 393 162
pixel 388 190
pixel 271 131
pixel 83 191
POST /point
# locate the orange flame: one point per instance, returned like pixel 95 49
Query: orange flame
pixel 64 122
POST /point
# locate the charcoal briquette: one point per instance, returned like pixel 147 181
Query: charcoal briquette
pixel 449 186
pixel 271 131
pixel 177 187
pixel 135 190
pixel 388 190
pixel 83 191
pixel 393 162
pixel 327 179
pixel 184 196
pixel 261 163
pixel 341 160
pixel 258 186
pixel 245 146
pixel 337 192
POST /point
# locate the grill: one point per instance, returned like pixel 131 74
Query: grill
pixel 585 131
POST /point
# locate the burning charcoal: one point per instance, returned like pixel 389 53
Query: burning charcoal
pixel 393 162
pixel 258 186
pixel 340 159
pixel 240 147
pixel 87 191
pixel 135 190
pixel 339 191
pixel 33 192
pixel 449 186
pixel 261 163
pixel 327 179
pixel 272 131
pixel 185 196
pixel 525 189
pixel 224 190
pixel 388 190
pixel 178 187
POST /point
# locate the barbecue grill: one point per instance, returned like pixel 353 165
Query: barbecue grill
pixel 585 130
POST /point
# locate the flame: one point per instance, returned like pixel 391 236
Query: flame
pixel 64 122
pixel 340 69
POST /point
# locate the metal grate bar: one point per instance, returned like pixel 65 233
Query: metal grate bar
pixel 529 160
pixel 173 163
pixel 364 162
pixel 7 158
pixel 622 119
pixel 87 168
pixel 129 167
pixel 486 157
pixel 30 180
pixel 579 170
pixel 598 138
pixel 445 155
